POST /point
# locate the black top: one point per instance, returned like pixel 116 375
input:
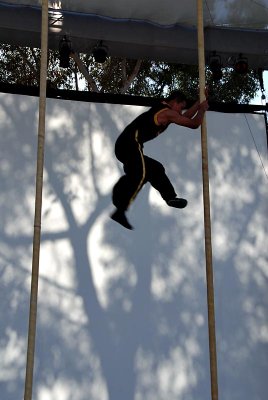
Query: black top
pixel 145 126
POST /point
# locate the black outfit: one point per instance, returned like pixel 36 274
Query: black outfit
pixel 139 168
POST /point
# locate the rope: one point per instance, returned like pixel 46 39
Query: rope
pixel 38 206
pixel 206 200
pixel 210 14
pixel 256 147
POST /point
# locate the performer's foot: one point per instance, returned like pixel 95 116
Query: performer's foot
pixel 119 216
pixel 177 203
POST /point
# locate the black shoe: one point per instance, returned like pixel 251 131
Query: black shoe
pixel 119 216
pixel 177 203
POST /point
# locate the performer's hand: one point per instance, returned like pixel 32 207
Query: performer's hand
pixel 204 105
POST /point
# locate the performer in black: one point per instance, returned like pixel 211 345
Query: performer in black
pixel 139 168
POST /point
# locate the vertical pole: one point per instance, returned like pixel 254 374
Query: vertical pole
pixel 206 200
pixel 38 206
pixel 266 123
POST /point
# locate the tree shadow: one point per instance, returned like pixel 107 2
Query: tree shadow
pixel 122 315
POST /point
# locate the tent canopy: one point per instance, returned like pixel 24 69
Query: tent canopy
pixel 147 29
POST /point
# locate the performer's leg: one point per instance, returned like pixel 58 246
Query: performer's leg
pixel 156 175
pixel 129 185
pixel 122 193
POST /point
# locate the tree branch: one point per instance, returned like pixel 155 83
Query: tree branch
pixel 127 81
pixel 84 71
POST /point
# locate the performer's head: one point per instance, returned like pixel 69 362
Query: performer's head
pixel 177 100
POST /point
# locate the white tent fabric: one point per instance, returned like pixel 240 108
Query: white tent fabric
pixel 236 13
pixel 152 29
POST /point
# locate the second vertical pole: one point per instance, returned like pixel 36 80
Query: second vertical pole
pixel 207 220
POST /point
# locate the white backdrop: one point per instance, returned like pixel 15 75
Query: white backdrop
pixel 122 315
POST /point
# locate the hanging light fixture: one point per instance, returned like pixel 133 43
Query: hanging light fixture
pixel 215 66
pixel 100 53
pixel 65 49
pixel 241 65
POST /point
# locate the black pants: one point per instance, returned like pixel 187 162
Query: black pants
pixel 139 169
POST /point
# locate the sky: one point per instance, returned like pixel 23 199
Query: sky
pixel 257 99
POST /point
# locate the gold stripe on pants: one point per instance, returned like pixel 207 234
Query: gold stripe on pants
pixel 143 169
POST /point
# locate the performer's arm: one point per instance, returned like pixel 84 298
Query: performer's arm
pixel 171 116
pixel 190 113
pixel 192 110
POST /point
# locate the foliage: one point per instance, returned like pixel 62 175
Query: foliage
pixel 161 78
pixel 20 65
